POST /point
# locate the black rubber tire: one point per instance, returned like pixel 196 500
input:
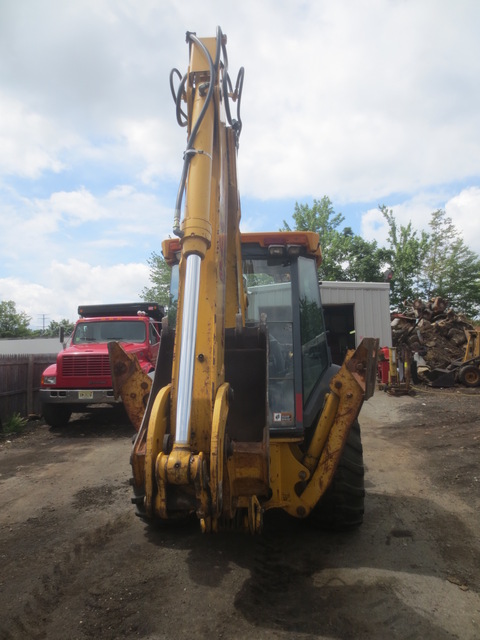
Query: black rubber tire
pixel 56 416
pixel 342 506
pixel 469 375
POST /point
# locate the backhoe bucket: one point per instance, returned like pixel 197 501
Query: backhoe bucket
pixel 441 377
pixel 129 382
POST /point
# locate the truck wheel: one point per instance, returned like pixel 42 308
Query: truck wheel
pixel 56 416
pixel 342 505
pixel 469 375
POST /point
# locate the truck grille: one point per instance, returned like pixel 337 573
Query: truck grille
pixel 91 365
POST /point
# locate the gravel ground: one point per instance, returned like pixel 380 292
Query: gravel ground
pixel 77 563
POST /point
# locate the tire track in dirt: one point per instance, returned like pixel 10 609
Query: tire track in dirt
pixel 33 620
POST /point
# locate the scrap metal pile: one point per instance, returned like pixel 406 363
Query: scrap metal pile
pixel 431 330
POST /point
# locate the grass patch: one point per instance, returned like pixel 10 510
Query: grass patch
pixel 14 424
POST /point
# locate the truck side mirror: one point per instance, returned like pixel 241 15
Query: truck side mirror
pixel 62 334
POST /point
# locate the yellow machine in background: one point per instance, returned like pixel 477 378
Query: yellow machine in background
pixel 465 370
pixel 246 411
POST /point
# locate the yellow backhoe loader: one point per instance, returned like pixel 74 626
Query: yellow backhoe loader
pixel 246 412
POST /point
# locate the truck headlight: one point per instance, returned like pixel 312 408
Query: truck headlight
pixel 49 380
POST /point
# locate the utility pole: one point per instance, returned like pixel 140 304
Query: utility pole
pixel 43 316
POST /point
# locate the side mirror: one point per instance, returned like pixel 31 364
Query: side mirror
pixel 62 334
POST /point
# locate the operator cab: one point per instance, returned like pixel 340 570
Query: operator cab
pixel 281 282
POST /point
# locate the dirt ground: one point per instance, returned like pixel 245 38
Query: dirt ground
pixel 76 563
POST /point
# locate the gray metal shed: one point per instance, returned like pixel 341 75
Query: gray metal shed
pixel 356 310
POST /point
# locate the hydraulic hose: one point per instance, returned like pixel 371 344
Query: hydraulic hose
pixel 182 119
pixel 190 150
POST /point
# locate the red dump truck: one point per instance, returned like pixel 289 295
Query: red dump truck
pixel 81 375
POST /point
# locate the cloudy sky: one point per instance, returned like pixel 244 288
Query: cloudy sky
pixel 368 102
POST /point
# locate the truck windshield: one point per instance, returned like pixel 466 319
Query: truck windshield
pixel 106 330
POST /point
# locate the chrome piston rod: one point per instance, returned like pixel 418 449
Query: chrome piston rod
pixel 187 347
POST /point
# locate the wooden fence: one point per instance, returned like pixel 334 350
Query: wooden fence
pixel 20 382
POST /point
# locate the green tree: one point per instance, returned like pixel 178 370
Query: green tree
pixel 321 217
pixel 434 267
pixel 407 253
pixel 160 274
pixel 53 329
pixel 365 260
pixel 346 256
pixel 464 279
pixel 13 323
pixel 451 270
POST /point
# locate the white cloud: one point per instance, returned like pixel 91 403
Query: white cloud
pixel 73 283
pixel 462 208
pixel 377 101
pixel 151 142
pixel 74 207
pixel 73 248
pixel 41 224
pixel 94 284
pixel 31 298
pixel 372 98
pixel 30 143
pixel 381 101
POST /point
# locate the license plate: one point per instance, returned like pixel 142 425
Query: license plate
pixel 85 395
